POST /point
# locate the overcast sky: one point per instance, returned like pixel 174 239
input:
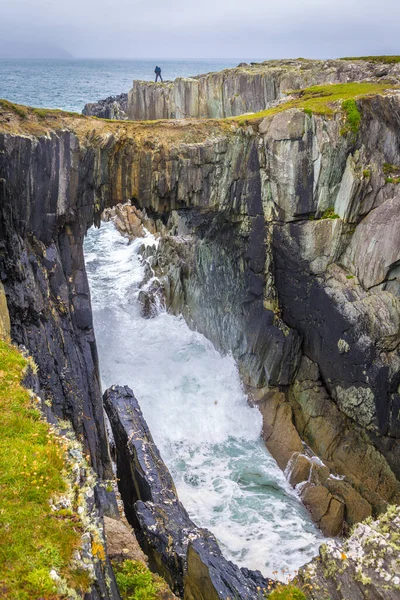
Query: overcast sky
pixel 206 28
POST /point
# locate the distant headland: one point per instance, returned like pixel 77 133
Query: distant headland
pixel 32 50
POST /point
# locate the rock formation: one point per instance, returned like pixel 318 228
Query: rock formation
pixel 367 565
pixel 279 241
pixel 232 92
pixel 113 107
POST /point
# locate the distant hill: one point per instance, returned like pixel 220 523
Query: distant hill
pixel 32 50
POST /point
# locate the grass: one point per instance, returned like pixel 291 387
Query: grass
pixel 18 109
pixel 353 116
pixel 287 592
pixel 33 539
pixel 136 582
pixel 389 60
pixel 325 100
pixel 25 111
pixel 392 173
pixel 330 214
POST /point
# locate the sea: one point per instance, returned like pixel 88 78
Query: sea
pixel 70 84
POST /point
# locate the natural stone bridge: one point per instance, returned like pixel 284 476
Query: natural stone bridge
pixel 292 266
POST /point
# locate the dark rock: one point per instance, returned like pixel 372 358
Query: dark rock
pixel 162 524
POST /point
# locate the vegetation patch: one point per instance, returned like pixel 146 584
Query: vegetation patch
pixel 287 592
pixel 36 543
pixel 389 60
pixel 329 214
pixel 18 109
pixel 325 100
pixel 392 173
pixel 136 582
pixel 353 117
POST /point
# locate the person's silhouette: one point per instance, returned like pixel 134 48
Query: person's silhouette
pixel 157 71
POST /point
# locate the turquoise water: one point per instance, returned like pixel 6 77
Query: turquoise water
pixel 197 411
pixel 70 84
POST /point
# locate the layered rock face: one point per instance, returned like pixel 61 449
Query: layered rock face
pixel 250 256
pixel 247 88
pixel 278 244
pixel 45 281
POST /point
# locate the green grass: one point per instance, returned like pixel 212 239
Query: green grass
pixel 136 582
pixel 18 109
pixel 33 539
pixel 324 100
pixel 287 592
pixel 392 173
pixel 329 214
pixel 375 59
pixel 25 111
pixel 353 116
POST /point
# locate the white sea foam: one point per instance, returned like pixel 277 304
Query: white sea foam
pixel 192 399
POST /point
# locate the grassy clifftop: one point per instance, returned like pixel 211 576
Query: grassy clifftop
pixel 320 100
pixel 37 543
pixel 323 99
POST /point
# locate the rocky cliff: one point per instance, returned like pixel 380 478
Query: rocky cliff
pixel 245 89
pixel 279 242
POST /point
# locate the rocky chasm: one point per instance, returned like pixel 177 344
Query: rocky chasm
pixel 279 240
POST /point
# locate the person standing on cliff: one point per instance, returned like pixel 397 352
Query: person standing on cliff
pixel 157 71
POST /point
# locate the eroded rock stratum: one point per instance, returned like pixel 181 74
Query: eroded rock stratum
pixel 279 241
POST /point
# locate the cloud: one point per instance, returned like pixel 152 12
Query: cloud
pixel 228 28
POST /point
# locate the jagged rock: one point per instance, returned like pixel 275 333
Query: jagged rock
pixel 162 524
pixel 130 221
pixel 367 565
pixel 113 107
pixel 151 299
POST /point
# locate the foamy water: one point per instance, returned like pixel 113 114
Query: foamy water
pixel 194 404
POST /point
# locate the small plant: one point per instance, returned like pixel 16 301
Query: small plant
pixel 353 117
pixel 308 111
pixel 349 276
pixel 330 214
pixel 392 173
pixel 136 582
pixel 287 592
pixel 367 173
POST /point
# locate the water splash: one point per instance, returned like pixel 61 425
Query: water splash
pixel 193 401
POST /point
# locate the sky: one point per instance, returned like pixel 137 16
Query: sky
pixel 240 29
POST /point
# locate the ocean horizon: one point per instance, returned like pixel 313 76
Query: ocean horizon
pixel 69 84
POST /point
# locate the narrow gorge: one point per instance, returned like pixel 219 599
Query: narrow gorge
pixel 260 260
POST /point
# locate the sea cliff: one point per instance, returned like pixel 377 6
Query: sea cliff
pixel 279 240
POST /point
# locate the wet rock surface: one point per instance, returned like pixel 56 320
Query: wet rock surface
pixel 187 556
